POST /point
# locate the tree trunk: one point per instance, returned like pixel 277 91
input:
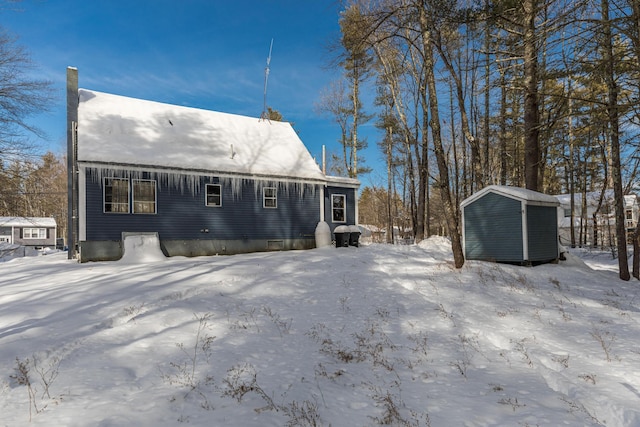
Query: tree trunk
pixel 503 128
pixel 636 252
pixel 390 193
pixel 531 113
pixel 614 131
pixel 443 171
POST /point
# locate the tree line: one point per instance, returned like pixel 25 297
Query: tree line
pixel 35 188
pixel 541 94
pixel 31 184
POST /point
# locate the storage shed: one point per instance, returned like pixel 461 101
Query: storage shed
pixel 511 225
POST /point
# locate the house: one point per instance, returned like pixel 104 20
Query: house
pixel 206 182
pixel 590 224
pixel 32 232
pixel 511 225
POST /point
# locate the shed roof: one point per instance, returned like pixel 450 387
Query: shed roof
pixel 24 221
pixel 515 193
pixel 120 130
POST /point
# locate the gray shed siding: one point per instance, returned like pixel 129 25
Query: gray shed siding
pixel 183 215
pixel 493 229
pixel 542 232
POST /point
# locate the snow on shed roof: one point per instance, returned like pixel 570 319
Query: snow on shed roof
pixel 120 130
pixel 24 221
pixel 514 192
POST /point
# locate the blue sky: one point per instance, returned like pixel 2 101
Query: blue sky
pixel 207 54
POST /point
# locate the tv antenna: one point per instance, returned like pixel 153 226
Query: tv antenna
pixel 265 114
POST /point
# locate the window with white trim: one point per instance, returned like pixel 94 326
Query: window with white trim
pixel 213 195
pixel 123 196
pixel 116 195
pixel 144 196
pixel 269 197
pixel 34 233
pixel 338 208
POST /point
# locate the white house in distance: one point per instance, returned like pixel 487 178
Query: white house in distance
pixel 32 232
pixel 583 224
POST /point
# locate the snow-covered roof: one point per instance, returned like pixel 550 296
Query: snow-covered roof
pixel 593 197
pixel 119 130
pixel 342 181
pixel 23 221
pixel 514 193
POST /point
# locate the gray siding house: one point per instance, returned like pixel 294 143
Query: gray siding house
pixel 35 232
pixel 511 225
pixel 206 182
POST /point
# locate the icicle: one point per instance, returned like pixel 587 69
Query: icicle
pixel 191 182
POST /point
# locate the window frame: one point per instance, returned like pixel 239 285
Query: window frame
pixel 153 203
pixel 206 195
pixel 29 235
pixel 107 184
pixel 273 198
pixel 335 208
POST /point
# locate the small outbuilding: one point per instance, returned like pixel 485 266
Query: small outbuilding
pixel 511 225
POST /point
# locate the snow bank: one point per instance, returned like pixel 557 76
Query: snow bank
pixel 437 245
pixel 141 248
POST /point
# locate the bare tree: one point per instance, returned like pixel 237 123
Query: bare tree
pixel 20 97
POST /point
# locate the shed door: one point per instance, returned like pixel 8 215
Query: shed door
pixel 542 233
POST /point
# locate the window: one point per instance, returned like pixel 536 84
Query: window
pixel 269 197
pixel 338 211
pixel 144 196
pixel 567 213
pixel 116 195
pixel 34 233
pixel 629 214
pixel 213 195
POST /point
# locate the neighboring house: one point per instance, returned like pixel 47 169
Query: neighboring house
pixel 206 182
pixel 585 226
pixel 36 233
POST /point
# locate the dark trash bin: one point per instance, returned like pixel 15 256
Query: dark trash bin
pixel 354 235
pixel 342 234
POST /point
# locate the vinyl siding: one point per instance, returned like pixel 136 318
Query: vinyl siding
pixel 493 229
pixel 182 214
pixel 19 239
pixel 350 194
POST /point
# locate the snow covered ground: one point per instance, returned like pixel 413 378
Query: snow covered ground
pixel 343 337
